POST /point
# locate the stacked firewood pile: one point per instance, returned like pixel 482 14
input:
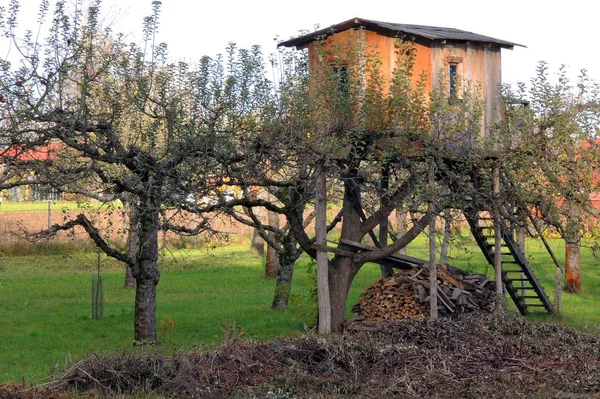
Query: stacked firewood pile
pixel 406 296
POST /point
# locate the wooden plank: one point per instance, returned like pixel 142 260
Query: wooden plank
pixel 435 290
pixel 334 250
pixel 404 258
pixel 444 299
pixel 497 240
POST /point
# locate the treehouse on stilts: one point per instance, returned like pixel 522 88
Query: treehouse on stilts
pixel 443 60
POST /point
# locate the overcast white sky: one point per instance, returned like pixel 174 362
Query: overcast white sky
pixel 557 32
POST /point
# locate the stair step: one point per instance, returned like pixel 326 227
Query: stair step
pixel 492 245
pixel 524 282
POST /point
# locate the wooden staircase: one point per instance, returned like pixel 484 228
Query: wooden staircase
pixel 517 276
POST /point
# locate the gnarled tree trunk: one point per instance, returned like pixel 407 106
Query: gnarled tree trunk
pixel 147 275
pixel 573 268
pixel 572 265
pixel 287 258
pixel 341 273
pixel 343 269
pixel 258 244
pixel 132 244
pixel 129 279
pixel 272 260
pixel 402 225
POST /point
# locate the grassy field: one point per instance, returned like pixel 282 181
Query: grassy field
pixel 203 294
pixel 45 305
pixel 42 206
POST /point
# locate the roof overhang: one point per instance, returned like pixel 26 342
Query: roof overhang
pixel 432 33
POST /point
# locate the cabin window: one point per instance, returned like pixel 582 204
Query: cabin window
pixel 453 76
pixel 342 74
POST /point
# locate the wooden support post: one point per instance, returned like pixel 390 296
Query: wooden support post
pixel 322 260
pixel 433 294
pixel 558 306
pixel 497 240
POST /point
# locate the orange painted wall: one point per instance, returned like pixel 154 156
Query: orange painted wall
pixel 478 64
pixel 337 50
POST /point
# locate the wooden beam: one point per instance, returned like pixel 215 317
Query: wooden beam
pixel 334 250
pixel 497 239
pixel 323 298
pixel 394 258
pixel 433 291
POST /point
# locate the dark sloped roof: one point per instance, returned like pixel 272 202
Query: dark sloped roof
pixel 427 32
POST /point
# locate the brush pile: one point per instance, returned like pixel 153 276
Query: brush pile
pixel 406 296
pixel 488 356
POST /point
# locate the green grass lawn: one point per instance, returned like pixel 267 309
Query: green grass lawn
pixel 45 305
pixel 42 206
pixel 45 302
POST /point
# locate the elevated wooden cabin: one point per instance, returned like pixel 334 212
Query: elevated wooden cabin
pixel 442 54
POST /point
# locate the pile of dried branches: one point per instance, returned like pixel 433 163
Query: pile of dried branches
pixel 467 357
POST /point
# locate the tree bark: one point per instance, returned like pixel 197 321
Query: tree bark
pixel 129 279
pixel 341 273
pixel 147 275
pixel 446 239
pixel 401 217
pixel 165 221
pixel 258 244
pixel 283 284
pixel 132 244
pixel 343 269
pixel 572 265
pixel 386 271
pixel 272 260
pixel 572 268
